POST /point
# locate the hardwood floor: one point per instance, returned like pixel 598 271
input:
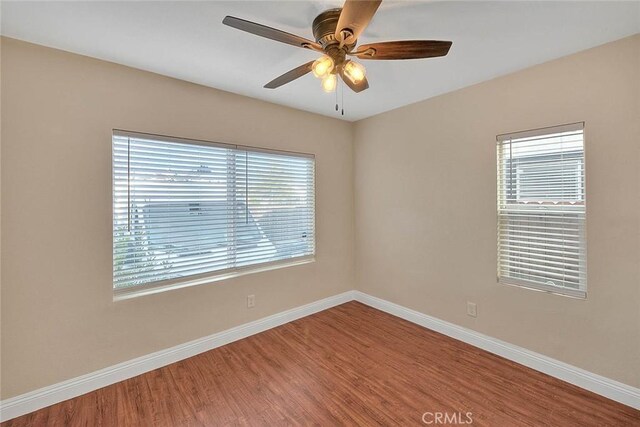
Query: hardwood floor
pixel 349 365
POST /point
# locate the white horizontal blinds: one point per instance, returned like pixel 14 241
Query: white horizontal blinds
pixel 541 209
pixel 279 193
pixel 183 209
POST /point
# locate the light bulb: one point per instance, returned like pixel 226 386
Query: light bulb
pixel 322 66
pixel 329 83
pixel 354 71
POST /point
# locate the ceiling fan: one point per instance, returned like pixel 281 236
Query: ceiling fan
pixel 336 32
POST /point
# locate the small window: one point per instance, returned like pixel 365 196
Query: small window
pixel 542 211
pixel 189 211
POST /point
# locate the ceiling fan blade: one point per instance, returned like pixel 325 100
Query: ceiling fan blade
pixel 357 88
pixel 270 33
pixel 354 18
pixel 290 76
pixel 406 49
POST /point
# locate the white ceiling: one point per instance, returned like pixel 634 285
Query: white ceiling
pixel 187 40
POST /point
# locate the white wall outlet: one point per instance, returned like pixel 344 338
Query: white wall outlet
pixel 251 301
pixel 472 309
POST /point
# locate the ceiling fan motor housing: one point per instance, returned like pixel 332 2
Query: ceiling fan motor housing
pixel 324 28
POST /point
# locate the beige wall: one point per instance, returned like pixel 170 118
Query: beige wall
pixel 58 110
pixel 425 189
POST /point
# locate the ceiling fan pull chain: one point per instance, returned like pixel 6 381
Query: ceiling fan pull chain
pixel 342 95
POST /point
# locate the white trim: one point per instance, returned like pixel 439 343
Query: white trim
pixel 598 384
pixel 32 401
pixel 579 294
pixel 154 288
pixel 532 133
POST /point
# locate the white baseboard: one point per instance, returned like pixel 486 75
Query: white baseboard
pixel 598 384
pixel 32 401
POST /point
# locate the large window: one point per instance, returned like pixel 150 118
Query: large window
pixel 541 210
pixel 184 211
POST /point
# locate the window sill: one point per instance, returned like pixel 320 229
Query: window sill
pixel 138 291
pixel 563 292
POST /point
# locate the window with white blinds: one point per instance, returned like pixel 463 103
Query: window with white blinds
pixel 184 210
pixel 541 210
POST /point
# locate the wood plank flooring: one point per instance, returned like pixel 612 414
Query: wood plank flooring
pixel 349 365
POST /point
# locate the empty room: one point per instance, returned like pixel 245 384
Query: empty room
pixel 320 212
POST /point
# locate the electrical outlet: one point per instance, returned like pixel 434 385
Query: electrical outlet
pixel 472 309
pixel 251 301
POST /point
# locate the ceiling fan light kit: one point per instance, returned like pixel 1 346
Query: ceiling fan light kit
pixel 324 68
pixel 336 33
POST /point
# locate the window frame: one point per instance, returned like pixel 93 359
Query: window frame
pixel 581 292
pixel 213 276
